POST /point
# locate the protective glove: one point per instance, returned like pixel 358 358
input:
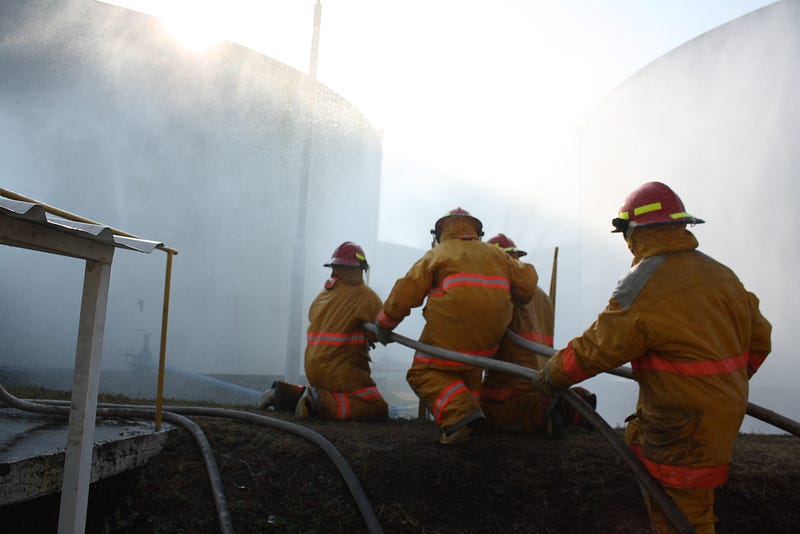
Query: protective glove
pixel 382 334
pixel 543 386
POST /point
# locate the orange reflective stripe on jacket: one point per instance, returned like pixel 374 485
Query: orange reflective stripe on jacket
pixel 335 338
pixel 570 365
pixel 421 357
pixel 537 337
pixel 470 279
pixel 386 322
pixel 677 476
pixel 654 362
pixel 446 396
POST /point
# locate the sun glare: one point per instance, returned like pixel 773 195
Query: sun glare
pixel 196 24
pixel 194 30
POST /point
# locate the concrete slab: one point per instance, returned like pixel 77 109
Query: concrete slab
pixel 32 451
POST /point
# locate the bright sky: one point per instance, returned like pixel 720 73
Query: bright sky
pixel 483 94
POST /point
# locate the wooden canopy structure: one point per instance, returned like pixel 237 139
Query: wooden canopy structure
pixel 31 225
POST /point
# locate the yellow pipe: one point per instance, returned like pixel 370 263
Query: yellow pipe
pixel 162 357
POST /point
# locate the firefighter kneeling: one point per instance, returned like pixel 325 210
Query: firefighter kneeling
pixel 337 361
pixel 510 402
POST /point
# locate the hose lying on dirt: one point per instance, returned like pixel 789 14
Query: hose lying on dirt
pixel 650 484
pixel 768 416
pixel 353 484
pixel 223 516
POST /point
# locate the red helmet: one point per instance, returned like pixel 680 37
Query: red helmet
pixel 350 255
pixel 504 242
pixel 458 212
pixel 652 204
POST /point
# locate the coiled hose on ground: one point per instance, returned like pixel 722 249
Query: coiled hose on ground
pixel 646 480
pixel 174 414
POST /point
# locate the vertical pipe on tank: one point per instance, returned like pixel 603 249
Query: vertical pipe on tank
pixel 297 290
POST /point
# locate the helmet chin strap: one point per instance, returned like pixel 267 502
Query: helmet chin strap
pixel 628 240
pixel 626 233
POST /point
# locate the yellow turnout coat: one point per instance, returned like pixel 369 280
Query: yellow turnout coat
pixel 468 285
pixel 694 336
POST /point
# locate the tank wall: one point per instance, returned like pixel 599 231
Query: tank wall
pixel 106 116
pixel 716 119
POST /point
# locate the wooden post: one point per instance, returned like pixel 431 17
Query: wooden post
pixel 553 275
pixel 83 409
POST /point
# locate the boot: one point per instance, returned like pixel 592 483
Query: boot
pixel 462 434
pixel 267 399
pixel 457 437
pixel 286 396
pixel 306 406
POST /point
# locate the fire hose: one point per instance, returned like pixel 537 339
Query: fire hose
pixel 768 416
pixel 173 414
pixel 646 480
pixel 223 516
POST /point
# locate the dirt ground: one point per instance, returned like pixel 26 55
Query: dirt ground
pixel 275 481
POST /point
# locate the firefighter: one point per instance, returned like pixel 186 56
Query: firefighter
pixel 337 361
pixel 510 402
pixel 469 286
pixel 694 336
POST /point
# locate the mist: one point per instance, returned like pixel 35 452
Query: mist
pixel 716 119
pixel 107 116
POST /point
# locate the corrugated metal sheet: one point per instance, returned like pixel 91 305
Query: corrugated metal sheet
pixel 103 234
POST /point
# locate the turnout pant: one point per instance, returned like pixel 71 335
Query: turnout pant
pixel 452 396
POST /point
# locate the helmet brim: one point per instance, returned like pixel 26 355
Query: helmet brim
pixel 621 225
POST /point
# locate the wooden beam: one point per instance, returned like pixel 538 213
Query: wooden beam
pixel 21 233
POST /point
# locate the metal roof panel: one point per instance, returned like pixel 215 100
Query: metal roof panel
pixel 95 232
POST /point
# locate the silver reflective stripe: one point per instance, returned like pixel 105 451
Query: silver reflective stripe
pixel 629 287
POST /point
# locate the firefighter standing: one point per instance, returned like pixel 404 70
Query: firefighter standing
pixel 469 286
pixel 510 402
pixel 694 336
pixel 337 361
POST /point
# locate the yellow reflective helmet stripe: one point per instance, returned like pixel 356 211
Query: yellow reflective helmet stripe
pixel 680 215
pixel 647 208
pixel 650 208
